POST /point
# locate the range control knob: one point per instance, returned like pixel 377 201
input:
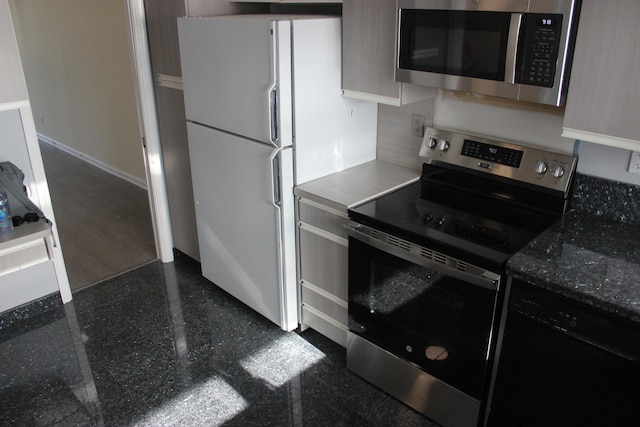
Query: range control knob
pixel 443 145
pixel 541 167
pixel 432 142
pixel 557 171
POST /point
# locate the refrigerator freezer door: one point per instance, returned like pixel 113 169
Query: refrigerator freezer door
pixel 246 227
pixel 237 75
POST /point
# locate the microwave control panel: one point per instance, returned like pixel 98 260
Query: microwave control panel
pixel 540 44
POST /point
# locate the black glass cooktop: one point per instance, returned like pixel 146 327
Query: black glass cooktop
pixel 461 215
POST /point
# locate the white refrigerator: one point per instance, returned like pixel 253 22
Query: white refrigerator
pixel 265 112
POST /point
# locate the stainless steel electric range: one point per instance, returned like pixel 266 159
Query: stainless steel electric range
pixel 427 262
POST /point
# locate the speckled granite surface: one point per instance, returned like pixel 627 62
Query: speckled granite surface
pixel 162 346
pixel 592 254
pixel 606 199
pixel 31 309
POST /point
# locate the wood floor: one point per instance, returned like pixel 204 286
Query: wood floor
pixel 104 222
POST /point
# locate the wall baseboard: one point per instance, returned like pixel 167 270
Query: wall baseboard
pixel 97 163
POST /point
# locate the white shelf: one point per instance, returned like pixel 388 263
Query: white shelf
pixel 27 245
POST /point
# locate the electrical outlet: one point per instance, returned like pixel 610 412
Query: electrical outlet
pixel 634 164
pixel 417 125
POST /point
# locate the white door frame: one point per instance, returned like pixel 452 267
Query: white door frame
pixel 143 82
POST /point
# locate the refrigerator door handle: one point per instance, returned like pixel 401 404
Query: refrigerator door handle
pixel 273 115
pixel 275 177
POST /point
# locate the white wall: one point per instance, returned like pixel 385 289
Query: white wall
pixel 13 146
pixel 606 162
pixel 77 64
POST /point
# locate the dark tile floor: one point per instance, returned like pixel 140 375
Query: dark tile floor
pixel 161 346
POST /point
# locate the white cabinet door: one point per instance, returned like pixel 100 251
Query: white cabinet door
pixel 602 103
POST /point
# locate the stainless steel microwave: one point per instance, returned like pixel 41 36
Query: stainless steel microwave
pixel 518 49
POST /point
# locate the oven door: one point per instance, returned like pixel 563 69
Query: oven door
pixel 429 309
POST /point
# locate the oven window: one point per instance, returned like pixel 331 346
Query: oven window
pixel 438 322
pixel 462 43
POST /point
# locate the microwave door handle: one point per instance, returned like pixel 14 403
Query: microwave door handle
pixel 512 48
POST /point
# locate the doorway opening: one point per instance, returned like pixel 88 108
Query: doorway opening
pixel 104 222
pixel 78 68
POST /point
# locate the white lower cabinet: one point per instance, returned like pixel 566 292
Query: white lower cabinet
pixel 323 257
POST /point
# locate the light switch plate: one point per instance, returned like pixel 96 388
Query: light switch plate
pixel 417 125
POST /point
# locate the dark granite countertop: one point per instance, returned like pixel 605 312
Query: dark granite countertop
pixel 592 254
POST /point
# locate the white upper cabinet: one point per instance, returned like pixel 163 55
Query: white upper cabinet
pixel 604 91
pixel 368 39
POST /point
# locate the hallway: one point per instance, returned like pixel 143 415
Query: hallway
pixel 104 222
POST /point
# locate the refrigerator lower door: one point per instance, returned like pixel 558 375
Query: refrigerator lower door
pixel 243 193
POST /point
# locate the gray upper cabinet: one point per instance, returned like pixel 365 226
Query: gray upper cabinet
pixel 602 103
pixel 288 1
pixel 368 39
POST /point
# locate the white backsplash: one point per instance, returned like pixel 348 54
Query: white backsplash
pixel 396 144
pixel 523 122
pixel 494 117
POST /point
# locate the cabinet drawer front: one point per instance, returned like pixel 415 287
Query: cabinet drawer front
pixel 323 217
pixel 24 256
pixel 323 262
pixel 325 325
pixel 327 304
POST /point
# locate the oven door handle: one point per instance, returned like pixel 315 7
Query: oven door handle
pixel 423 256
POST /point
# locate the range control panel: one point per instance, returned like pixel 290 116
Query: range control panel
pixel 527 164
pixel 502 155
